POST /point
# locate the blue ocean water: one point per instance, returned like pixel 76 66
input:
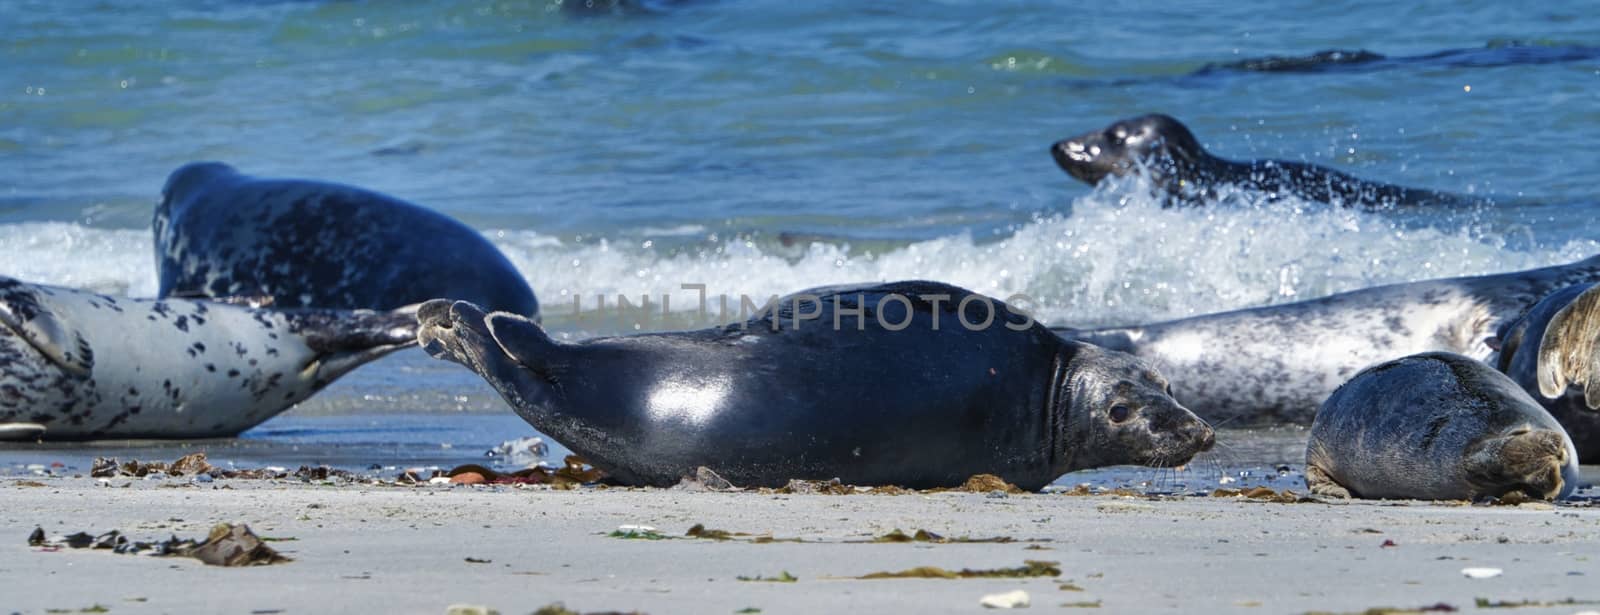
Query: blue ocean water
pixel 760 146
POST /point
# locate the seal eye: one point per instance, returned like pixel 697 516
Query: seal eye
pixel 1119 413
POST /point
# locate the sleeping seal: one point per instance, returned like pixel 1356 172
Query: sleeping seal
pixel 78 365
pixel 1437 426
pixel 917 384
pixel 303 243
pixel 1553 351
pixel 1163 148
pixel 1275 364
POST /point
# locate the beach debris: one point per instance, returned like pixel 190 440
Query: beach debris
pixel 1387 544
pixel 1439 607
pixel 524 452
pixel 1485 603
pixel 561 609
pixel 28 483
pixel 1069 587
pixel 1481 573
pixel 474 560
pixel 1086 604
pixel 987 483
pixel 637 532
pixel 227 545
pixel 196 465
pixel 831 486
pixel 783 577
pixel 1015 599
pixel 927 536
pixel 748 609
pixel 573 473
pixel 468 478
pixel 1030 568
pixel 705 479
pixel 1265 494
pixel 699 531
pixel 469 609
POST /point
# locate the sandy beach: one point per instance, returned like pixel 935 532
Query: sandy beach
pixel 361 548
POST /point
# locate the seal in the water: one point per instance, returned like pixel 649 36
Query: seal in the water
pixel 1276 363
pixel 1164 150
pixel 304 243
pixel 1437 426
pixel 918 384
pixel 1553 351
pixel 78 365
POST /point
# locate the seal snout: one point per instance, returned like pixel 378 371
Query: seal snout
pixel 1075 156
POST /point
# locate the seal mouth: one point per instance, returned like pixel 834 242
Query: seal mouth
pixel 1076 159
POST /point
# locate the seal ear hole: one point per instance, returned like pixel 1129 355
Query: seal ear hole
pixel 1120 414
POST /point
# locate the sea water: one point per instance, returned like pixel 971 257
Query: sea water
pixel 760 147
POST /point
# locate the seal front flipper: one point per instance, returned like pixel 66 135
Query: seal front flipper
pixel 18 432
pixel 458 331
pixel 1569 352
pixel 26 312
pixel 522 340
pixel 1320 483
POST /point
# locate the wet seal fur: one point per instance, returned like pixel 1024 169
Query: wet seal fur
pixel 1437 426
pixel 844 396
pixel 1553 351
pixel 305 243
pixel 1277 363
pixel 1163 149
pixel 77 365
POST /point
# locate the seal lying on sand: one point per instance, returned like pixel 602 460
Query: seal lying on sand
pixel 1437 426
pixel 1277 363
pixel 80 365
pixel 916 384
pixel 304 243
pixel 1163 148
pixel 1553 351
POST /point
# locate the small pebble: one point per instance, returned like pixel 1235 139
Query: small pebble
pixel 1482 573
pixel 469 609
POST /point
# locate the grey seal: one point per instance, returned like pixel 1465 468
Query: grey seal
pixel 1164 150
pixel 1437 426
pixel 875 384
pixel 1277 363
pixel 307 243
pixel 77 365
pixel 1553 351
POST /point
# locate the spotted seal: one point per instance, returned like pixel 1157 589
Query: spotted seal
pixel 1437 426
pixel 1163 149
pixel 918 384
pixel 1553 351
pixel 79 365
pixel 1275 364
pixel 304 243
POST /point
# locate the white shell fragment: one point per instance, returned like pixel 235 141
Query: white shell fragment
pixel 1017 599
pixel 1482 573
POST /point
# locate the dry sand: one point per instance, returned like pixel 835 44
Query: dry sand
pixel 373 549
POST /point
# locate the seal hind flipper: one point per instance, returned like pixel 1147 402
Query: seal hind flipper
pixel 25 312
pixel 1569 352
pixel 345 340
pixel 17 432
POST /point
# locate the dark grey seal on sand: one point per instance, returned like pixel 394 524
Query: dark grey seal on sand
pixel 918 384
pixel 78 365
pixel 1553 351
pixel 1437 426
pixel 306 243
pixel 1166 151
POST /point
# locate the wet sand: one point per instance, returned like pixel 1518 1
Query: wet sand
pixel 372 549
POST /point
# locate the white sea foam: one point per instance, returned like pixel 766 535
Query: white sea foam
pixel 1113 258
